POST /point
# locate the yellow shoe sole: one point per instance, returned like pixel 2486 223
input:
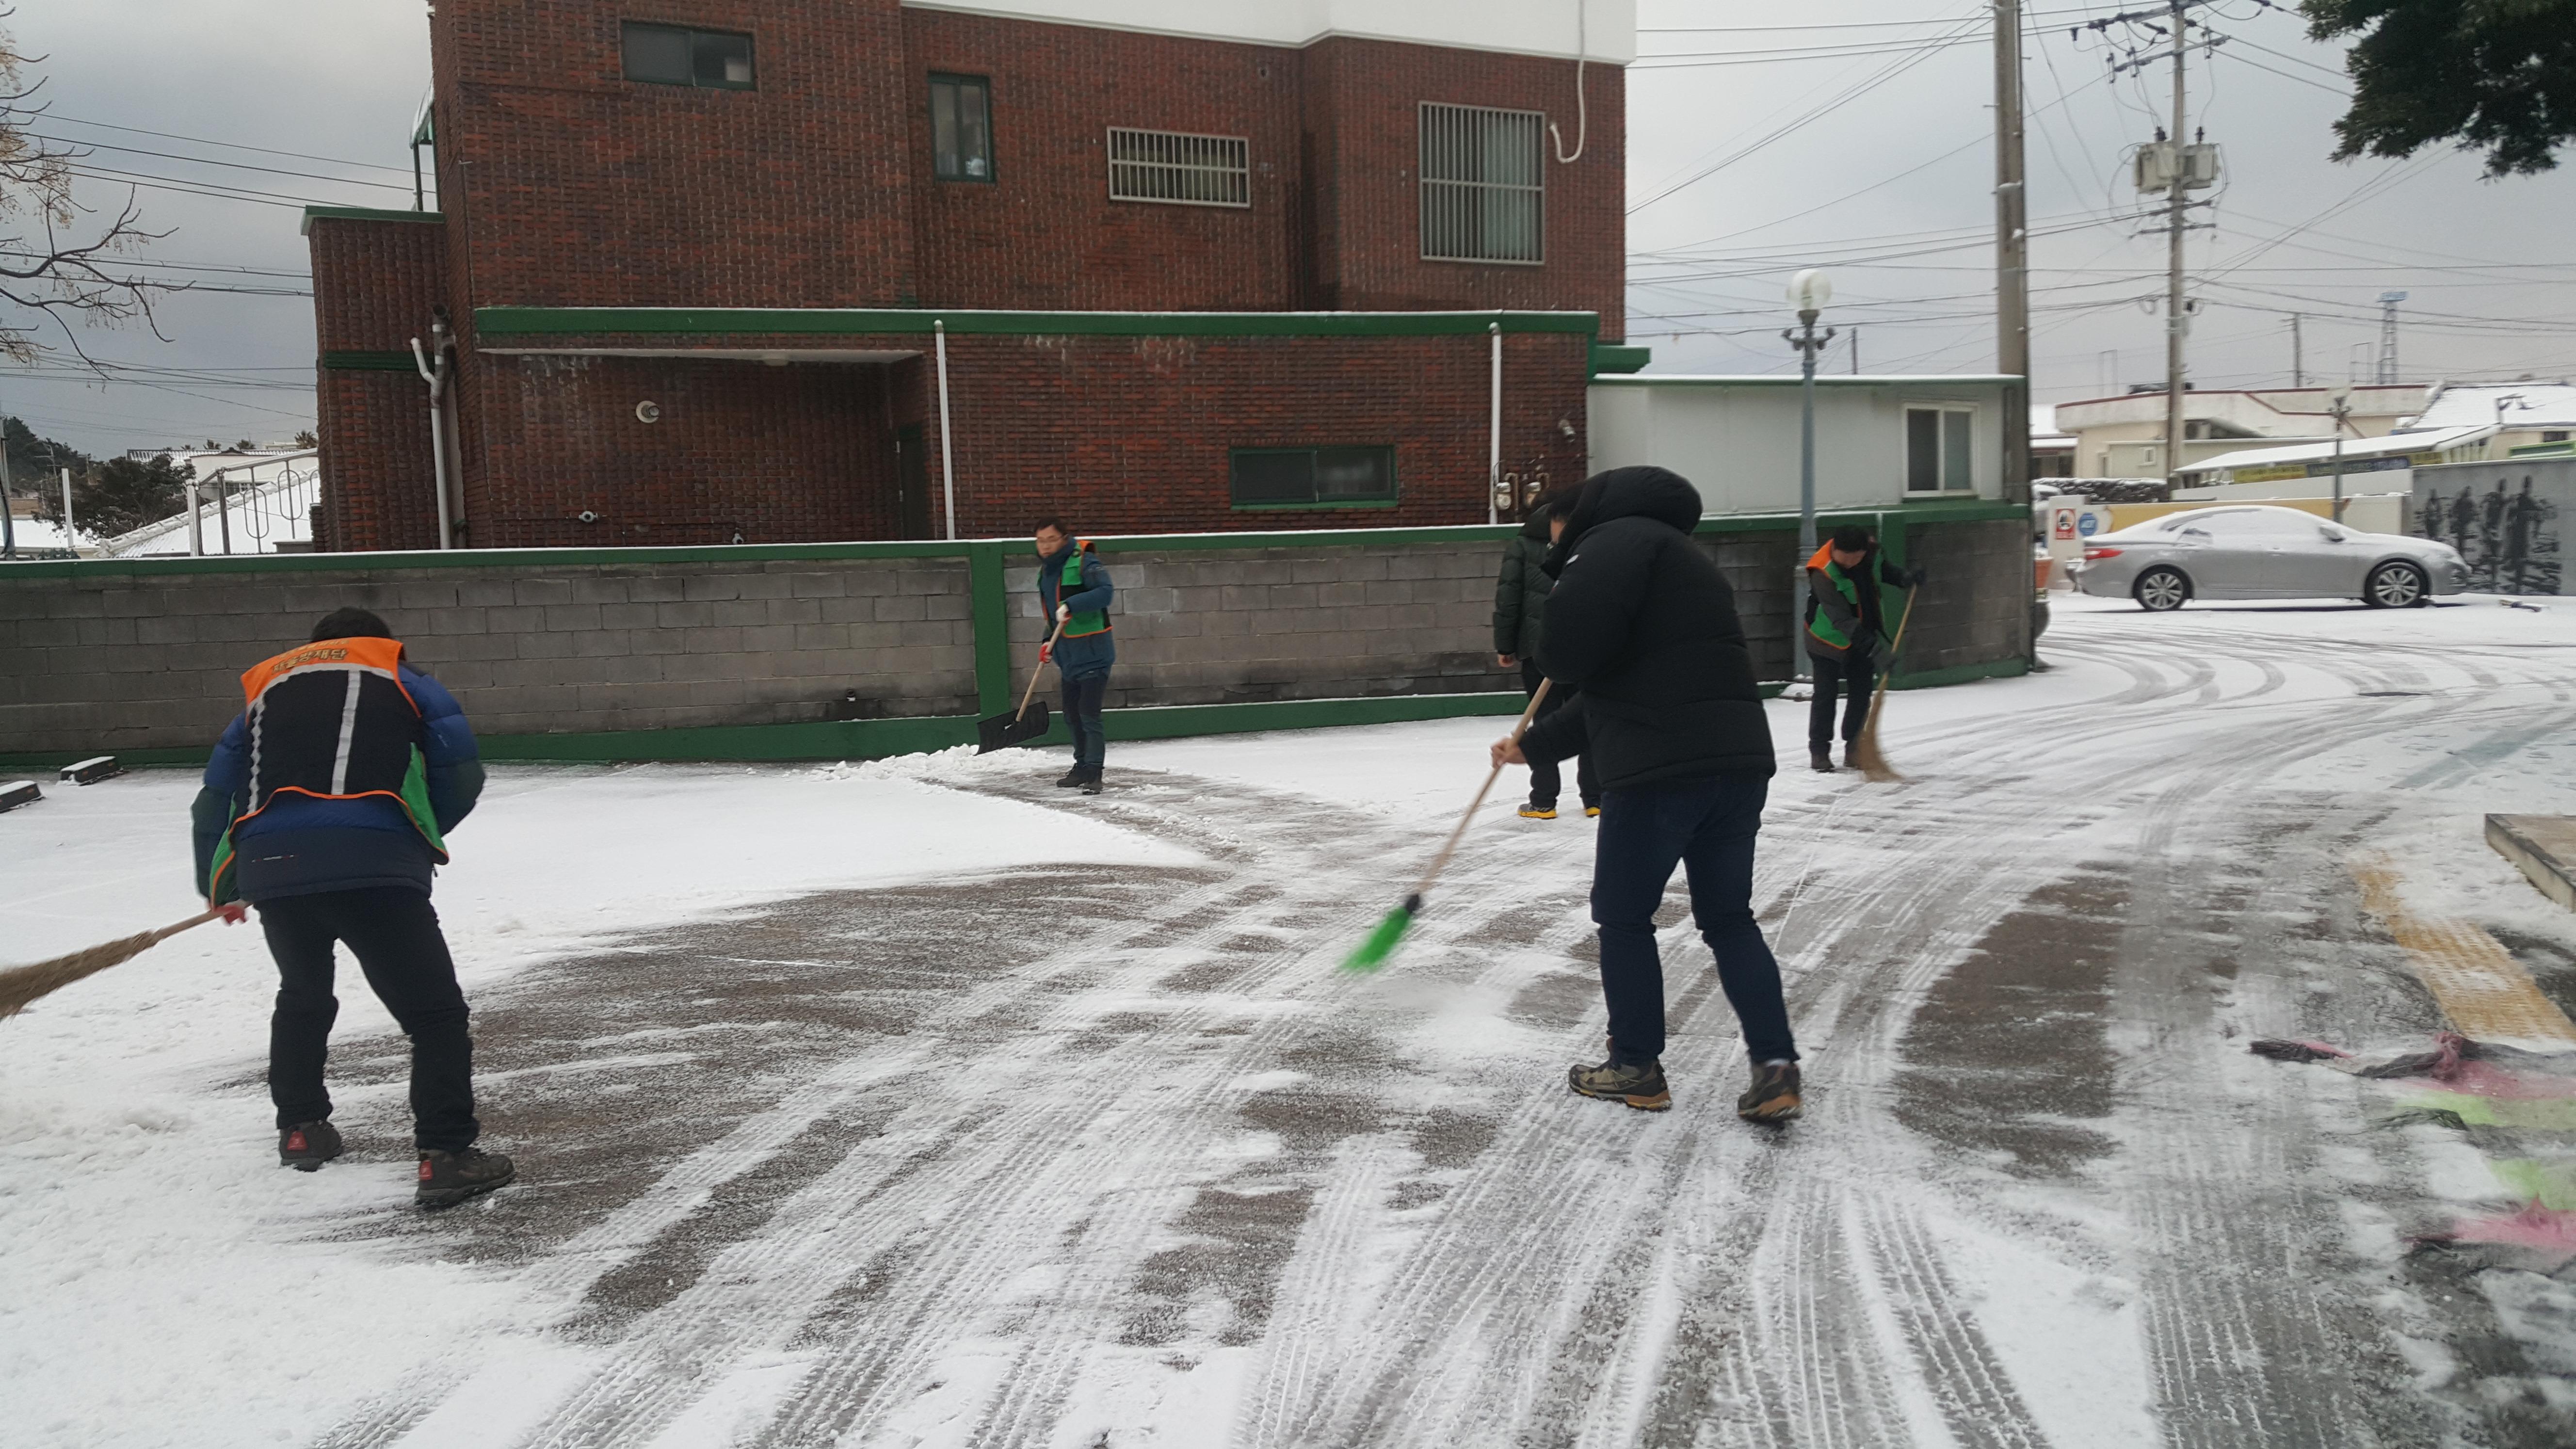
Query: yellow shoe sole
pixel 1529 814
pixel 1591 811
pixel 1778 1109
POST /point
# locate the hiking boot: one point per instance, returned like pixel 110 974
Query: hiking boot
pixel 1641 1087
pixel 449 1178
pixel 1821 759
pixel 307 1145
pixel 1591 811
pixel 1091 782
pixel 1773 1097
pixel 1071 778
pixel 1535 811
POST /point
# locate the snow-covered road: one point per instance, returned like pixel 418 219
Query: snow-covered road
pixel 921 1103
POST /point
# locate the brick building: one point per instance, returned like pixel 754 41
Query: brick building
pixel 1225 265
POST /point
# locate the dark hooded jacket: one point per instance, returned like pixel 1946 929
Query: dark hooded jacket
pixel 1520 595
pixel 1642 627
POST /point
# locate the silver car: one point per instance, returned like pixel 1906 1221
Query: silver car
pixel 2256 552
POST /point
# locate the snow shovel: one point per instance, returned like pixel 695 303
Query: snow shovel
pixel 1864 751
pixel 20 986
pixel 1019 726
pixel 1380 944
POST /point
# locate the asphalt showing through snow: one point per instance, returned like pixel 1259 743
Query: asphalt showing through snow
pixel 1074 1157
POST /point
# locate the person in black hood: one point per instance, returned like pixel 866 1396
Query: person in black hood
pixel 1641 628
pixel 1520 623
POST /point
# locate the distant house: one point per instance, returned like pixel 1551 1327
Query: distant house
pixel 2124 437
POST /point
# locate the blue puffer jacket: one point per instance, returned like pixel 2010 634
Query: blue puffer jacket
pixel 1089 656
pixel 300 845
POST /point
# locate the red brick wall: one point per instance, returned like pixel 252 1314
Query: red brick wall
pixel 773 454
pixel 1131 434
pixel 572 186
pixel 375 283
pixel 1044 233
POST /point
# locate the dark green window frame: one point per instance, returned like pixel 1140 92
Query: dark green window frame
pixel 1271 478
pixel 965 153
pixel 653 53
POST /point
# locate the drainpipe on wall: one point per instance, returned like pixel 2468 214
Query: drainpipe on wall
pixel 433 370
pixel 947 454
pixel 1494 435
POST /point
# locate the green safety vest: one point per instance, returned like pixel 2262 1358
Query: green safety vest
pixel 1820 625
pixel 1068 584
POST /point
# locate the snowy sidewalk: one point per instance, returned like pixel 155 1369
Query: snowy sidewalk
pixel 923 1103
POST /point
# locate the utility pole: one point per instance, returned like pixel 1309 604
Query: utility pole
pixel 8 514
pixel 1808 292
pixel 2012 256
pixel 2298 355
pixel 2388 335
pixel 2175 319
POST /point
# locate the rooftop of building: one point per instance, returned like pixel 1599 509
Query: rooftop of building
pixel 2532 403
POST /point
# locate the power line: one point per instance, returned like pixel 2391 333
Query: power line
pixel 208 161
pixel 50 115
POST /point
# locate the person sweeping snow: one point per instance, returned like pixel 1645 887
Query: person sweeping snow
pixel 1848 641
pixel 1641 627
pixel 327 806
pixel 1520 624
pixel 1074 593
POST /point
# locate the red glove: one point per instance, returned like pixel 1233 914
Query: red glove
pixel 1045 653
pixel 234 912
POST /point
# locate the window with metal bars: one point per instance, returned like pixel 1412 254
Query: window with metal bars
pixel 1483 188
pixel 1178 169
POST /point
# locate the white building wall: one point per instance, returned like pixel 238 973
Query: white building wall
pixel 1529 27
pixel 1736 439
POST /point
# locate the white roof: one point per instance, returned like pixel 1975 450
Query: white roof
pixel 2509 404
pixel 2422 442
pixel 261 517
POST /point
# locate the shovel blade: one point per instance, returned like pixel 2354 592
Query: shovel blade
pixel 1005 730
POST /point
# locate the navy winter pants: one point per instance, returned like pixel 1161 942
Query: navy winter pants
pixel 1707 827
pixel 1082 700
pixel 395 936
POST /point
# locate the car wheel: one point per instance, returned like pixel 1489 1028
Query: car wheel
pixel 2395 586
pixel 2160 589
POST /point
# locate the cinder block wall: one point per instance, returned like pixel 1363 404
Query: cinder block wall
pixel 115 661
pixel 117 657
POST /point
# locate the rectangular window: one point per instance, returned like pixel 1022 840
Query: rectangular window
pixel 1939 447
pixel 961 127
pixel 1482 184
pixel 673 55
pixel 1178 169
pixel 1313 477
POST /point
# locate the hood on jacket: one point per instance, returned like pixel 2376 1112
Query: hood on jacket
pixel 1640 492
pixel 1536 526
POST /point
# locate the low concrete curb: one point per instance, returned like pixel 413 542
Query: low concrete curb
pixel 2543 848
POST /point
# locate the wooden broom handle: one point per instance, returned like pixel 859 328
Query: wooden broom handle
pixel 1032 691
pixel 1518 730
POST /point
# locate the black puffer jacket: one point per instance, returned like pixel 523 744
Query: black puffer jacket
pixel 1642 627
pixel 1520 594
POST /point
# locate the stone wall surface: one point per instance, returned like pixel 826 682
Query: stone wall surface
pixel 110 656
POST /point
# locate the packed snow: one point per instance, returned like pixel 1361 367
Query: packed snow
pixel 917 1102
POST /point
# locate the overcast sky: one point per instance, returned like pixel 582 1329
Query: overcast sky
pixel 1896 161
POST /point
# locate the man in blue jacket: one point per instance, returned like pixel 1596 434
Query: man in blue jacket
pixel 327 805
pixel 1073 591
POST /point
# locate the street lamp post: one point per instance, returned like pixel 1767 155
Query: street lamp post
pixel 1809 291
pixel 2339 406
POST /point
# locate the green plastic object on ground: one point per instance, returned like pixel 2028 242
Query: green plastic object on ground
pixel 1371 953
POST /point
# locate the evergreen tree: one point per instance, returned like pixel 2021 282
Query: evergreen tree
pixel 2497 76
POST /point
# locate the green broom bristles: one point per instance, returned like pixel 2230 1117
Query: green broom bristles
pixel 1371 953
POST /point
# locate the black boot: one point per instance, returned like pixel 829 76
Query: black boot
pixel 307 1145
pixel 1641 1087
pixel 1071 778
pixel 1091 781
pixel 1773 1097
pixel 449 1178
pixel 1821 758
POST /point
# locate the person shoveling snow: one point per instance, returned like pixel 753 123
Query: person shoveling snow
pixel 326 805
pixel 1642 627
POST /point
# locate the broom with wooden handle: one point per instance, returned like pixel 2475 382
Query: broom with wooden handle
pixel 22 985
pixel 1372 952
pixel 1864 750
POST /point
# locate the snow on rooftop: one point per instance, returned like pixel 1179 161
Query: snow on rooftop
pixel 2508 405
pixel 2395 443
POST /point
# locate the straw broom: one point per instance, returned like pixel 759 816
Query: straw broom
pixel 20 986
pixel 1864 751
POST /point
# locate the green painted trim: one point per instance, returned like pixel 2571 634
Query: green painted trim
pixel 1793 380
pixel 313 214
pixel 1180 721
pixel 863 739
pixel 2009 668
pixel 1316 507
pixel 356 360
pixel 864 321
pixel 992 621
pixel 1608 357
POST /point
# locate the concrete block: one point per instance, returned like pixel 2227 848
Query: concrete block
pixel 819 585
pixel 570 618
pixel 600 588
pixel 426 596
pixel 656 588
pixel 627 616
pixel 846 610
pixel 763 586
pixel 871 581
pixel 167 629
pixel 541 645
pixel 515 619
pixel 772 638
pixel 1390 591
pixel 1409 566
pixel 738 613
pixel 1245 597
pixel 632 669
pixel 950 606
pixel 684 616
pixel 711 586
pixel 541 591
pixel 785 610
pixel 477 591
pixel 902 608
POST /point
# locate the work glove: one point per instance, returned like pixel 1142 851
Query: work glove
pixel 1046 652
pixel 234 912
pixel 1918 578
pixel 1063 612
